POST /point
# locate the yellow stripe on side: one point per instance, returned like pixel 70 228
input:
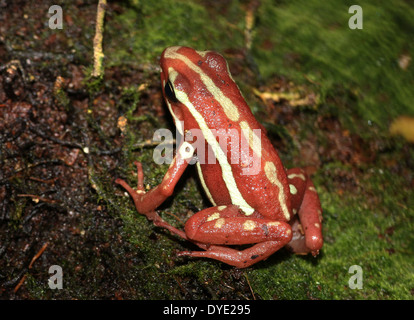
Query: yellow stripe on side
pixel 297 175
pixel 249 136
pixel 176 120
pixel 203 183
pixel 227 174
pixel 271 174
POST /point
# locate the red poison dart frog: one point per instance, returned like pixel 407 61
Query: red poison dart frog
pixel 268 209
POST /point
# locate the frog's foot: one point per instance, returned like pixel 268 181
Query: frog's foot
pixel 239 259
pixel 298 243
pixel 147 202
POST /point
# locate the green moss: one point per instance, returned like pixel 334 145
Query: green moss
pixel 375 235
pixel 62 98
pixel 37 288
pixel 92 84
pixel 312 40
pixel 151 26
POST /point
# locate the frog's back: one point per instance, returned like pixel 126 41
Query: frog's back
pixel 249 172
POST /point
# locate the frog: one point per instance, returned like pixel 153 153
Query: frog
pixel 257 205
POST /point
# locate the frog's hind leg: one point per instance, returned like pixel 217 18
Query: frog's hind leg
pixel 227 225
pixel 307 225
pixel 240 259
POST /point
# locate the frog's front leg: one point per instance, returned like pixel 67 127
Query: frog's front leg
pixel 307 225
pixel 228 225
pixel 147 202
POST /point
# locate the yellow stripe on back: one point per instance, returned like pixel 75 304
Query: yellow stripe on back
pixel 230 109
pixel 227 174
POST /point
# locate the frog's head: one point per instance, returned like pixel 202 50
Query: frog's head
pixel 197 86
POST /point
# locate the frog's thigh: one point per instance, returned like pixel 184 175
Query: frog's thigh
pixel 227 225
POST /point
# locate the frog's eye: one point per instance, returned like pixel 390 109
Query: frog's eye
pixel 169 92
